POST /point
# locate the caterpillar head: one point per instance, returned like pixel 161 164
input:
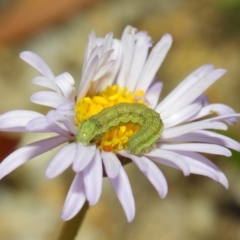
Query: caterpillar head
pixel 86 132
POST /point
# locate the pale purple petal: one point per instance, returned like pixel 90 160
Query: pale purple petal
pixel 42 125
pixel 151 171
pixel 207 137
pixel 90 45
pixel 203 166
pixel 154 61
pixel 184 86
pixel 92 177
pixel 193 92
pixel 67 108
pixel 143 43
pixel 35 61
pixel 62 160
pixel 109 78
pixel 87 77
pixel 181 116
pixel 45 82
pixel 124 193
pixel 16 121
pixel 153 93
pixel 24 154
pixel 75 198
pixel 83 156
pixel 105 58
pixel 190 127
pixel 65 83
pixel 111 163
pixel 198 147
pixel 47 98
pixel 128 39
pixel 103 71
pixel 219 109
pixel 170 159
pixel 54 116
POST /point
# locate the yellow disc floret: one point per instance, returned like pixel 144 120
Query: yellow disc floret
pixel 86 107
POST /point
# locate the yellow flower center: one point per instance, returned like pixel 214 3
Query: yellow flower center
pixel 114 139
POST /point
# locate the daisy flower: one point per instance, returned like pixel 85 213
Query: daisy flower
pixel 116 71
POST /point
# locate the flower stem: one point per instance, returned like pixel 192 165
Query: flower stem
pixel 70 228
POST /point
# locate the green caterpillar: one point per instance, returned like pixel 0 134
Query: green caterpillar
pixel 120 114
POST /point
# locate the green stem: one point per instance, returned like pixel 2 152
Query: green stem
pixel 70 228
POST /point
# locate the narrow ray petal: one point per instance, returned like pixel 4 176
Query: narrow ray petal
pixel 179 161
pixel 128 39
pixel 208 165
pixel 35 61
pixel 151 171
pixel 198 147
pixel 47 98
pixel 28 152
pixel 189 81
pixel 45 82
pixel 143 43
pixel 207 137
pixel 191 127
pixel 124 193
pixel 62 160
pixel 83 156
pixel 154 61
pixel 92 176
pixel 111 163
pixel 153 93
pixel 75 198
pixel 16 121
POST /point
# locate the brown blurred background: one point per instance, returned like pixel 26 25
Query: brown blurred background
pixel 195 207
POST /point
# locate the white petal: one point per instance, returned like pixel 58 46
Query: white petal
pixel 123 190
pixel 154 61
pixel 184 86
pixel 67 108
pixel 39 124
pixel 108 80
pixel 35 61
pixel 75 198
pixel 170 159
pixel 46 98
pixel 143 43
pixel 62 160
pixel 45 82
pixel 194 91
pixel 190 127
pixel 92 177
pixel 142 165
pixel 207 137
pixel 204 166
pixel 219 109
pixel 90 45
pixel 128 39
pixel 54 116
pixel 87 77
pixel 153 93
pixel 83 156
pixel 102 71
pixel 16 121
pixel 111 163
pixel 64 82
pixel 28 152
pixel 198 147
pixel 151 171
pixel 181 116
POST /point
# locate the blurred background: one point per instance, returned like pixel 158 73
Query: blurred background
pixel 205 31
